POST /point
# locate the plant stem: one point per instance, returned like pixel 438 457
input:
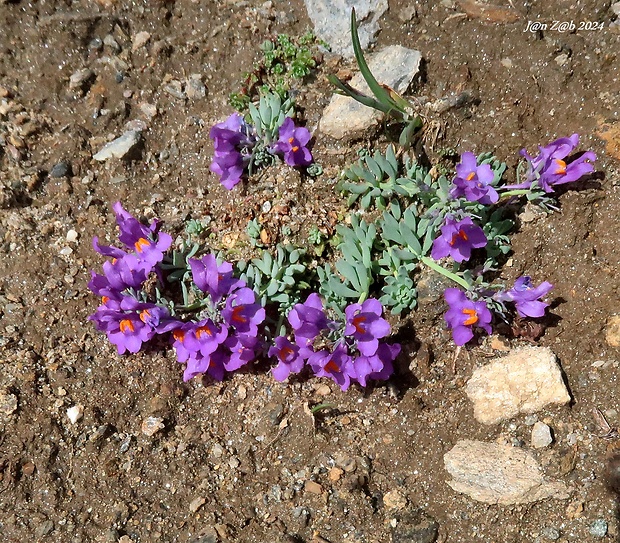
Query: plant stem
pixel 439 269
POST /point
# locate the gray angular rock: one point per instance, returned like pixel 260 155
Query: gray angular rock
pixel 541 435
pixel 332 21
pixel 499 474
pixel 119 147
pixel 524 381
pixel 394 66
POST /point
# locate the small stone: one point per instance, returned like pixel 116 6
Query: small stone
pixel 140 40
pixel 242 392
pixel 119 147
pixel 530 420
pixel 313 488
pixel 598 528
pixel 495 473
pixel 612 332
pixel 175 88
pixel 149 110
pixel 43 529
pixel 541 435
pixel 506 63
pixel 335 474
pixel 152 425
pixel 234 462
pixel 8 403
pixel 394 500
pixel 552 534
pixel 79 78
pixel 195 88
pixel 72 236
pixel 562 59
pixel 615 8
pixel 498 343
pixel 323 390
pixel 414 526
pixel 75 413
pixel 524 381
pixel 196 504
pixel 217 450
pixel 28 468
pixel 62 169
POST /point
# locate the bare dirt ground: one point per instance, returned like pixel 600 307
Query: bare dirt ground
pixel 244 460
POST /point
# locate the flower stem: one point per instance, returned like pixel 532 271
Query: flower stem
pixel 439 269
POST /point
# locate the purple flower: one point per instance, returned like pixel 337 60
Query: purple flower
pixel 124 273
pixel 242 350
pixel 292 143
pixel 464 314
pixel 526 297
pixel 233 142
pixel 457 239
pixel 133 323
pixel 199 346
pixel 308 320
pixel 243 312
pixel 213 279
pixel 473 181
pixel 289 360
pixel 365 325
pixel 378 366
pixel 550 167
pixel 336 365
pixel 148 244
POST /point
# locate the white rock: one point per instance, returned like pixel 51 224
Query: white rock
pixel 119 147
pixel 499 474
pixel 524 381
pixel 541 435
pixel 394 66
pixel 152 425
pixel 78 78
pixel 332 21
pixel 8 403
pixel 75 413
pixel 72 236
pixel 139 40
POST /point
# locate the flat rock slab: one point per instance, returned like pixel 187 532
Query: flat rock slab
pixel 499 474
pixel 394 66
pixel 524 381
pixel 332 21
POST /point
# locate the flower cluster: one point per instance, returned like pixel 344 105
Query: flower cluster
pixel 237 144
pixel 342 351
pixel 222 337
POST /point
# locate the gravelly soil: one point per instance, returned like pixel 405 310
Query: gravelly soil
pixel 245 460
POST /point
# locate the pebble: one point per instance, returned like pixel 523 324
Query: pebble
pixel 75 413
pixel 175 88
pixel 414 526
pixel 313 487
pixel 217 450
pixel 332 21
pixel 530 420
pixel 524 381
pixel 119 147
pixel 552 534
pixel 8 403
pixel 43 529
pixel 72 236
pixel 61 169
pixel 615 8
pixel 80 77
pixel 394 66
pixel 196 504
pixel 394 500
pixel 598 528
pixel 140 40
pixel 195 88
pixel 612 331
pixel 152 425
pixel 495 473
pixel 149 110
pixel 541 435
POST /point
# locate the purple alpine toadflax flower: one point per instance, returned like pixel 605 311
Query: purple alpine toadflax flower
pixel 551 168
pixel 344 352
pixel 526 297
pixel 146 242
pixel 213 279
pixel 233 142
pixel 465 315
pixel 473 181
pixel 292 142
pixel 457 239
